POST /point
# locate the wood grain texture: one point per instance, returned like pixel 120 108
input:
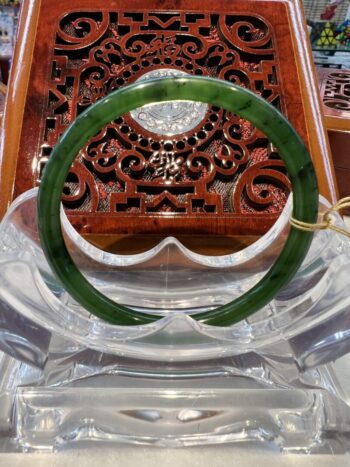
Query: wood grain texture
pixel 97 202
pixel 16 100
pixel 340 145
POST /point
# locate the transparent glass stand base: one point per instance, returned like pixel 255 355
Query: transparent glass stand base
pixel 277 419
pixel 68 379
pixel 215 403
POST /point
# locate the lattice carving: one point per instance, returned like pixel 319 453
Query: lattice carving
pixel 336 91
pixel 221 166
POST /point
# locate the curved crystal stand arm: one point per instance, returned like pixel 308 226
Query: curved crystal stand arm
pixel 211 91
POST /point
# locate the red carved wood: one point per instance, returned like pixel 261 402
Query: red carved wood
pixel 335 94
pixel 221 176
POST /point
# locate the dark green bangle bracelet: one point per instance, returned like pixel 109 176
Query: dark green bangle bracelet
pixel 211 91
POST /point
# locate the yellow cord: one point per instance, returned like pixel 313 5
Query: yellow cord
pixel 327 220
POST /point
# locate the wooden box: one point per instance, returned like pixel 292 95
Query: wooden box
pixel 130 179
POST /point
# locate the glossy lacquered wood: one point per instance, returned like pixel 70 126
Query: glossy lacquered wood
pixel 16 100
pixel 233 98
pixel 299 101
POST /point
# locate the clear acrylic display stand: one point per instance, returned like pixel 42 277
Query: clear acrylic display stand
pixel 69 379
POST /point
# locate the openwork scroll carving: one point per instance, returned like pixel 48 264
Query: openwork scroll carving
pixel 336 92
pixel 220 166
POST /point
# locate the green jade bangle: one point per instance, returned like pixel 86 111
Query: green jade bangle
pixel 211 91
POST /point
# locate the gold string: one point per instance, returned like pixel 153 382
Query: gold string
pixel 327 221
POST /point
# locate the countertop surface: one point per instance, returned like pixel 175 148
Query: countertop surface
pixel 193 457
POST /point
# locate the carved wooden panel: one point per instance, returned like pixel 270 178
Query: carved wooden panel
pixel 146 162
pixel 174 167
pixel 336 90
pixel 335 94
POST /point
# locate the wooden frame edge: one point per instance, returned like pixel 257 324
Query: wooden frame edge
pixel 313 111
pixel 339 124
pixel 15 101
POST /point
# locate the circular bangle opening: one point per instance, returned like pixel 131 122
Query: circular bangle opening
pixel 206 90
